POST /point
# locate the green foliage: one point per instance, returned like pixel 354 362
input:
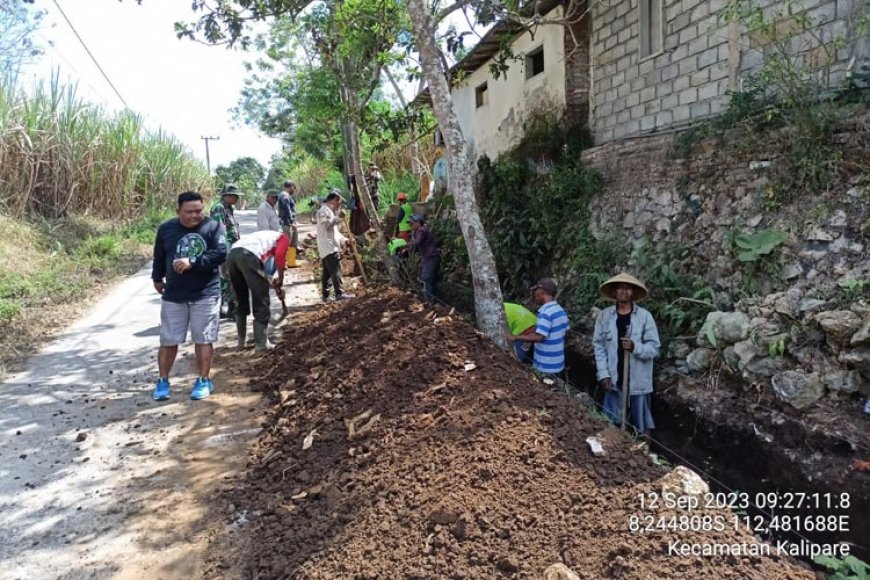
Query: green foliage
pixel 848 568
pixel 246 172
pixel 9 309
pixel 776 348
pixel 853 290
pixel 678 301
pixel 761 272
pixel 759 244
pixel 537 221
pixel 102 247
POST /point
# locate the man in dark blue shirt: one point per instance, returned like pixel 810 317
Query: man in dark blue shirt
pixel 187 253
pixel 287 212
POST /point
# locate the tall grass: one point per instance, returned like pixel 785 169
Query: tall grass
pixel 60 155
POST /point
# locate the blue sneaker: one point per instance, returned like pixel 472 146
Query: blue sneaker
pixel 161 390
pixel 202 388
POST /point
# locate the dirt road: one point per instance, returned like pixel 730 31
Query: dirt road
pixel 98 480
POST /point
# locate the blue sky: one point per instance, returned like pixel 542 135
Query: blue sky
pixel 185 87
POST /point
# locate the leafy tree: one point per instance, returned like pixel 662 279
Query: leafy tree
pixel 18 23
pixel 246 172
pixel 351 38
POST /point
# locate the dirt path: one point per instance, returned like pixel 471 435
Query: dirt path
pixel 98 480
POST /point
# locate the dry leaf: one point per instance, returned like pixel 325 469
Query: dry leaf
pixel 309 440
pixel 299 496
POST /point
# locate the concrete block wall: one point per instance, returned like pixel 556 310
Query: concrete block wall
pixel 702 59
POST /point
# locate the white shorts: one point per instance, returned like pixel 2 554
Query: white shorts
pixel 202 317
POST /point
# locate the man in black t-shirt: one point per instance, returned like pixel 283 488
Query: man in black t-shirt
pixel 188 251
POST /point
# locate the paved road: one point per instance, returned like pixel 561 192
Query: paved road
pixel 96 479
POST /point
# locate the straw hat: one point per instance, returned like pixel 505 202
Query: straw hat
pixel 608 289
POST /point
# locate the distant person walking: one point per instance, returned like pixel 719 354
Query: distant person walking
pixel 267 213
pixel 287 212
pixel 188 251
pixel 250 268
pixel 329 241
pixel 626 330
pixel 223 212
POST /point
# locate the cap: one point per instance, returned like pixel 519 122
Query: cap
pixel 401 196
pixel 230 189
pixel 418 218
pixel 548 285
pixel 608 289
pixel 272 193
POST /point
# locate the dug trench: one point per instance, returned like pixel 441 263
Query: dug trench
pixel 750 446
pixel 402 444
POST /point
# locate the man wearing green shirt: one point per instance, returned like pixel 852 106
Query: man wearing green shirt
pixel 521 320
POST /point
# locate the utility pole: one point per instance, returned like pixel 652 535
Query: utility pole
pixel 207 159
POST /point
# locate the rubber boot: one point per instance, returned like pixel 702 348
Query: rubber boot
pixel 242 330
pixel 261 338
pixel 291 257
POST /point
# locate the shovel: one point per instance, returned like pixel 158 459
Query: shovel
pixel 626 389
pixel 283 298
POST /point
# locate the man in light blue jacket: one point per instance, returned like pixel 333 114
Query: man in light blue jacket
pixel 626 329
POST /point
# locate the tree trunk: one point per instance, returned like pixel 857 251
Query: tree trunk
pixel 487 292
pixel 353 163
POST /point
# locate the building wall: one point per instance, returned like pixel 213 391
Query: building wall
pixel 702 59
pixel 496 126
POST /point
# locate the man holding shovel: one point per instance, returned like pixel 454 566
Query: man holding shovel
pixel 329 241
pixel 249 265
pixel 626 340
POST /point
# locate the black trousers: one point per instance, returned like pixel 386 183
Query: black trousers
pixel 250 284
pixel 331 271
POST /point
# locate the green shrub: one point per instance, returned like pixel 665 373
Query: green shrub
pixel 101 247
pixel 9 309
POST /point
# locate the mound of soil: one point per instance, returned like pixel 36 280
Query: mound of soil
pixel 403 444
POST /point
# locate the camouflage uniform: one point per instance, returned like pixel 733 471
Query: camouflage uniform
pixel 224 214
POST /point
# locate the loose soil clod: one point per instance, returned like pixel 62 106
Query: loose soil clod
pixel 464 475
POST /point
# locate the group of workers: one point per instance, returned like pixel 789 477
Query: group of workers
pixel 625 341
pixel 206 270
pixel 200 264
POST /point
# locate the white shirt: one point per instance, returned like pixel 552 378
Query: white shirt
pixel 267 218
pixel 261 244
pixel 329 239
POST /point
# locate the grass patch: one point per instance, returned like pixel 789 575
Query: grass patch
pixel 48 268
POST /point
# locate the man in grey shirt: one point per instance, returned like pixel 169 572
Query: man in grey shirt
pixel 267 214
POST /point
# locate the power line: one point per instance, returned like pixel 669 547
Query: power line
pixel 93 58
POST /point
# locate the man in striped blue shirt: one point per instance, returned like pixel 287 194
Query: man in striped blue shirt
pixel 550 330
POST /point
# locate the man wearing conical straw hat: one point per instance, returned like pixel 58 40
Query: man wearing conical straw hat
pixel 626 330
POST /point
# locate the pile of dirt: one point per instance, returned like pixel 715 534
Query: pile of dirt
pixel 403 444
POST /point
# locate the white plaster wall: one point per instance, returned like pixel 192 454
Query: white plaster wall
pixel 496 126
